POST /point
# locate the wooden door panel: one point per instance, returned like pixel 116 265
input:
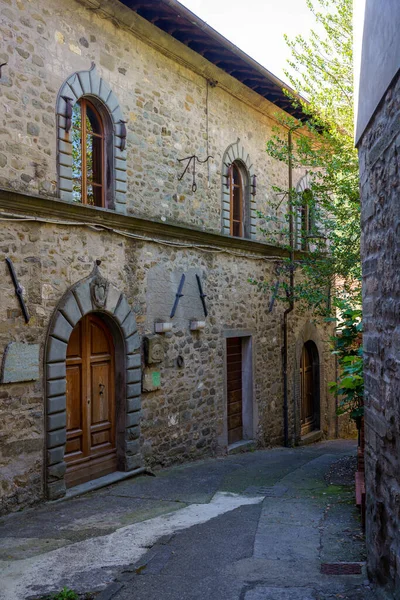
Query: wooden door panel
pixel 74 397
pixel 74 345
pixel 99 342
pixel 234 389
pixel 91 448
pixel 309 391
pixel 101 400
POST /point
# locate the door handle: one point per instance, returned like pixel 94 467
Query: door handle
pixel 102 387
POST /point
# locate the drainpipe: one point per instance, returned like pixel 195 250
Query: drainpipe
pixel 290 295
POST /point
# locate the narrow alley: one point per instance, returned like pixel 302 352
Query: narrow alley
pixel 274 524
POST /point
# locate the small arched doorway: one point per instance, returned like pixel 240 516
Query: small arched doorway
pixel 309 383
pixel 90 450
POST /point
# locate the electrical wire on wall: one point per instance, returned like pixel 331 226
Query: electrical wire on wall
pixel 12 217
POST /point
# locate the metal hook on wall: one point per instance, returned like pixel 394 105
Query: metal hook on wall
pixel 193 158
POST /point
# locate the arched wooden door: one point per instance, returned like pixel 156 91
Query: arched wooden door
pixel 309 381
pixel 91 440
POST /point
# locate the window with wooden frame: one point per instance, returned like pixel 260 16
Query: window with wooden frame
pixel 237 198
pixel 307 217
pixel 88 154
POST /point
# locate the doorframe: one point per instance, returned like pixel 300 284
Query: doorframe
pixel 249 413
pixel 309 333
pixel 92 294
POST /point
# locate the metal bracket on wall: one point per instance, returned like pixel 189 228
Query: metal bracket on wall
pixel 202 295
pixel 178 296
pixel 190 159
pixel 18 290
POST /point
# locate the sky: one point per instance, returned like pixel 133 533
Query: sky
pixel 257 26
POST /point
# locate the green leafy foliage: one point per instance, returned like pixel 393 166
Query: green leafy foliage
pixel 326 219
pixel 65 594
pixel 347 346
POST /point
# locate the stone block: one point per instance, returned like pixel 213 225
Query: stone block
pixel 20 363
pixel 65 159
pixel 65 149
pixel 121 186
pixel 56 438
pixel 133 390
pixel 132 433
pixel 133 376
pixel 56 489
pixel 133 404
pixel 56 404
pixel 133 462
pixel 83 297
pixel 133 418
pixel 56 350
pixel 55 455
pixel 121 175
pixel 75 85
pixel 104 91
pixel 56 472
pixel 56 421
pixel 132 343
pixel 66 196
pixel 129 325
pixel 86 85
pixel 71 310
pixel 133 360
pixel 95 81
pixel 56 370
pixel 112 102
pixel 65 172
pixel 113 297
pixel 56 387
pixel 132 448
pixel 120 197
pixel 65 184
pixel 61 327
pixel 122 310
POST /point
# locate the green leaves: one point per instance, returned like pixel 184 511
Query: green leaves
pixel 321 70
pixel 347 345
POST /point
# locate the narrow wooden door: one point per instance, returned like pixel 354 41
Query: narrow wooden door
pixel 91 449
pixel 234 385
pixel 307 391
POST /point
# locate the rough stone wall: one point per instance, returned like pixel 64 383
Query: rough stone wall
pixel 171 112
pixel 185 418
pixel 380 184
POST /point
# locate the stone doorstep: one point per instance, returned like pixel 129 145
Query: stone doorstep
pixel 101 482
pixel 311 438
pixel 242 446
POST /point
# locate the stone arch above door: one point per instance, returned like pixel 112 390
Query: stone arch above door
pixel 309 333
pixel 92 294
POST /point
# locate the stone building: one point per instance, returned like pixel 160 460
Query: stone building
pixel 137 338
pixel 378 141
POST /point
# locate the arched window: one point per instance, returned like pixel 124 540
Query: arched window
pixel 88 154
pixel 304 213
pixel 239 185
pixel 307 217
pixel 237 192
pixel 91 143
pixel 238 182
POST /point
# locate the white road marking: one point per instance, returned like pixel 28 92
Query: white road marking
pixel 123 547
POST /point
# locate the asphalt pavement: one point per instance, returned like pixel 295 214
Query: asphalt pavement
pixel 263 525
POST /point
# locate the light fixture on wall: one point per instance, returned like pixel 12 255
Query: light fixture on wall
pixel 228 176
pixel 254 186
pixel 163 327
pixel 197 325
